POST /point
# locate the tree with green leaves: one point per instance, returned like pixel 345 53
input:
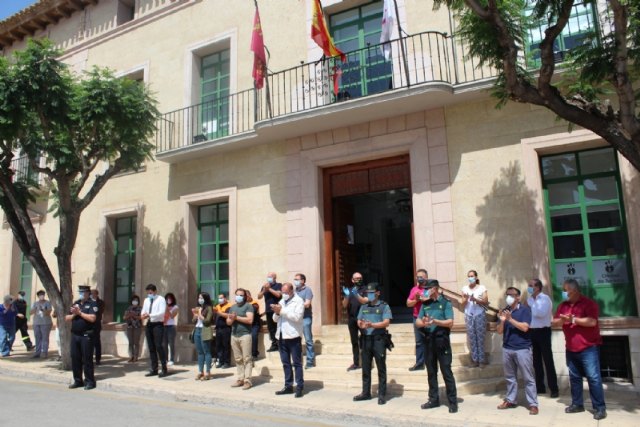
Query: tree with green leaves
pixel 65 126
pixel 595 87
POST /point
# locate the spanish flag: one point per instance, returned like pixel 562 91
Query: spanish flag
pixel 320 33
pixel 259 56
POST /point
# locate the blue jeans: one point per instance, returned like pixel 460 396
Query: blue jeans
pixel 204 351
pixel 7 336
pixel 291 355
pixel 308 340
pixel 421 345
pixel 586 363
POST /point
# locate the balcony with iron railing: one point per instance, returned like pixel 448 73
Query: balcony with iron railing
pixel 23 172
pixel 417 61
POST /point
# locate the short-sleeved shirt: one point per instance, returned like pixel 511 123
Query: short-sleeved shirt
pixel 306 294
pixel 269 298
pixel 8 317
pixel 353 306
pixel 240 329
pixel 578 338
pixel 412 295
pixel 221 322
pixel 375 313
pixel 136 310
pixel 473 308
pixel 79 326
pixel 513 338
pixel 40 317
pixel 168 320
pixel 438 309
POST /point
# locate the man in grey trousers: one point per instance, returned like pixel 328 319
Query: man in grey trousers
pixel 516 351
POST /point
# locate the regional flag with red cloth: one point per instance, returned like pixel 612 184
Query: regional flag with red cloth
pixel 320 34
pixel 259 56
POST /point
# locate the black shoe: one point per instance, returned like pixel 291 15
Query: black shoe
pixel 218 365
pixel 573 409
pixel 381 400
pixel 225 366
pixel 298 393
pixel 76 385
pixel 151 374
pixel 430 404
pixel 362 396
pixel 416 368
pixel 554 394
pixel 453 409
pixel 600 414
pixel 353 367
pixel 286 390
pixel 89 386
pixel 273 348
pixel 163 374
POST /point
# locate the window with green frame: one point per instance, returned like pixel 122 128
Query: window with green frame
pixel 214 90
pixel 587 228
pixel 26 277
pixel 125 264
pixel 213 248
pixel 357 33
pixel 581 23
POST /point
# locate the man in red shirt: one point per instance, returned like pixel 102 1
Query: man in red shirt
pixel 578 316
pixel 415 300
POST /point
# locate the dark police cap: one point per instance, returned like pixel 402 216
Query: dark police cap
pixel 84 288
pixel 374 286
pixel 432 283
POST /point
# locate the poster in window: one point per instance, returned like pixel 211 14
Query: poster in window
pixel 572 270
pixel 610 271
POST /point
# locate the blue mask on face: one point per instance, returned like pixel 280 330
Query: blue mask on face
pixel 565 296
pixel 270 279
pixel 530 290
pixel 371 296
pixel 296 283
pixel 421 280
pixel 151 297
pixel 239 299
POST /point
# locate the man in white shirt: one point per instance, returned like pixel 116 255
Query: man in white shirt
pixel 540 332
pixel 288 315
pixel 153 310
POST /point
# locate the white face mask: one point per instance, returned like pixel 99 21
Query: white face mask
pixel 285 297
pixel 510 300
pixel 134 302
pixel 201 301
pixel 41 297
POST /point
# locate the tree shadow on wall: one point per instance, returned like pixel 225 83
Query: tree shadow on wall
pixel 507 219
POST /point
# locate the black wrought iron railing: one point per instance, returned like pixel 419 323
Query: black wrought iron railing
pixel 419 59
pixel 23 172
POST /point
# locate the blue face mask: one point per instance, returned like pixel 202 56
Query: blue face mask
pixel 151 297
pixel 371 296
pixel 239 299
pixel 296 283
pixel 565 296
pixel 270 279
pixel 421 280
pixel 530 290
pixel 471 280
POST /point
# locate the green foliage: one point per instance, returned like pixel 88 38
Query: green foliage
pixel 74 121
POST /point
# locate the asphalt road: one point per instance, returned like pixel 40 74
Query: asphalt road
pixel 55 405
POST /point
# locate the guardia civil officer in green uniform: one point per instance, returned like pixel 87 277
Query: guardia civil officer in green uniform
pixel 436 319
pixel 373 319
pixel 82 317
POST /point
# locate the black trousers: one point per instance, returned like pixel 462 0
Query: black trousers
pixel 374 347
pixel 291 355
pixel 255 330
pixel 154 333
pixel 21 325
pixel 354 332
pixel 82 359
pixel 223 345
pixel 438 352
pixel 541 344
pixel 97 344
pixel 272 327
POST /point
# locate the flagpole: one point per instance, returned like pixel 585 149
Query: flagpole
pixel 266 71
pixel 404 54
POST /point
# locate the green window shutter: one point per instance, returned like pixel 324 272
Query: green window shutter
pixel 124 265
pixel 214 90
pixel 213 249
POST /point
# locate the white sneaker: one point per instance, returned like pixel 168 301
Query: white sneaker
pixel 169 363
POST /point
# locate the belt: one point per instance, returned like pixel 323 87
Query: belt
pixel 156 323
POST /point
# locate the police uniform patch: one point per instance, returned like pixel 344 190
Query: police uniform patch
pixel 95 309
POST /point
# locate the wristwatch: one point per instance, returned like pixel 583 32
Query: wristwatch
pixel 573 319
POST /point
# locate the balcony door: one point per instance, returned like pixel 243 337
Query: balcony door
pixel 214 111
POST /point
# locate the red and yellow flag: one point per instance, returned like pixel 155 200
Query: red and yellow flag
pixel 320 33
pixel 259 56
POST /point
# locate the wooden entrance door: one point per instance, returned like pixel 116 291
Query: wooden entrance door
pixel 340 255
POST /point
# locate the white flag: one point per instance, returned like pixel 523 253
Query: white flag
pixel 388 21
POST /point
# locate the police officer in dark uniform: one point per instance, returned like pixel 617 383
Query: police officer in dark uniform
pixel 436 319
pixel 21 321
pixel 82 317
pixel 352 301
pixel 373 320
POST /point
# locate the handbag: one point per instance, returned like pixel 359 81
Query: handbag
pixel 191 336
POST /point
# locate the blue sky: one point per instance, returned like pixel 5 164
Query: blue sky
pixel 10 7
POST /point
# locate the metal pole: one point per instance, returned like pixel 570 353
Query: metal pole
pixel 404 54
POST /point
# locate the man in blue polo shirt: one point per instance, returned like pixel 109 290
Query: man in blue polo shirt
pixel 516 351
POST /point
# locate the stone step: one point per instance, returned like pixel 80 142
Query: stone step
pixel 400 347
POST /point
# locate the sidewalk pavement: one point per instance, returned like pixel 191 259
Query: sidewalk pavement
pixel 115 375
